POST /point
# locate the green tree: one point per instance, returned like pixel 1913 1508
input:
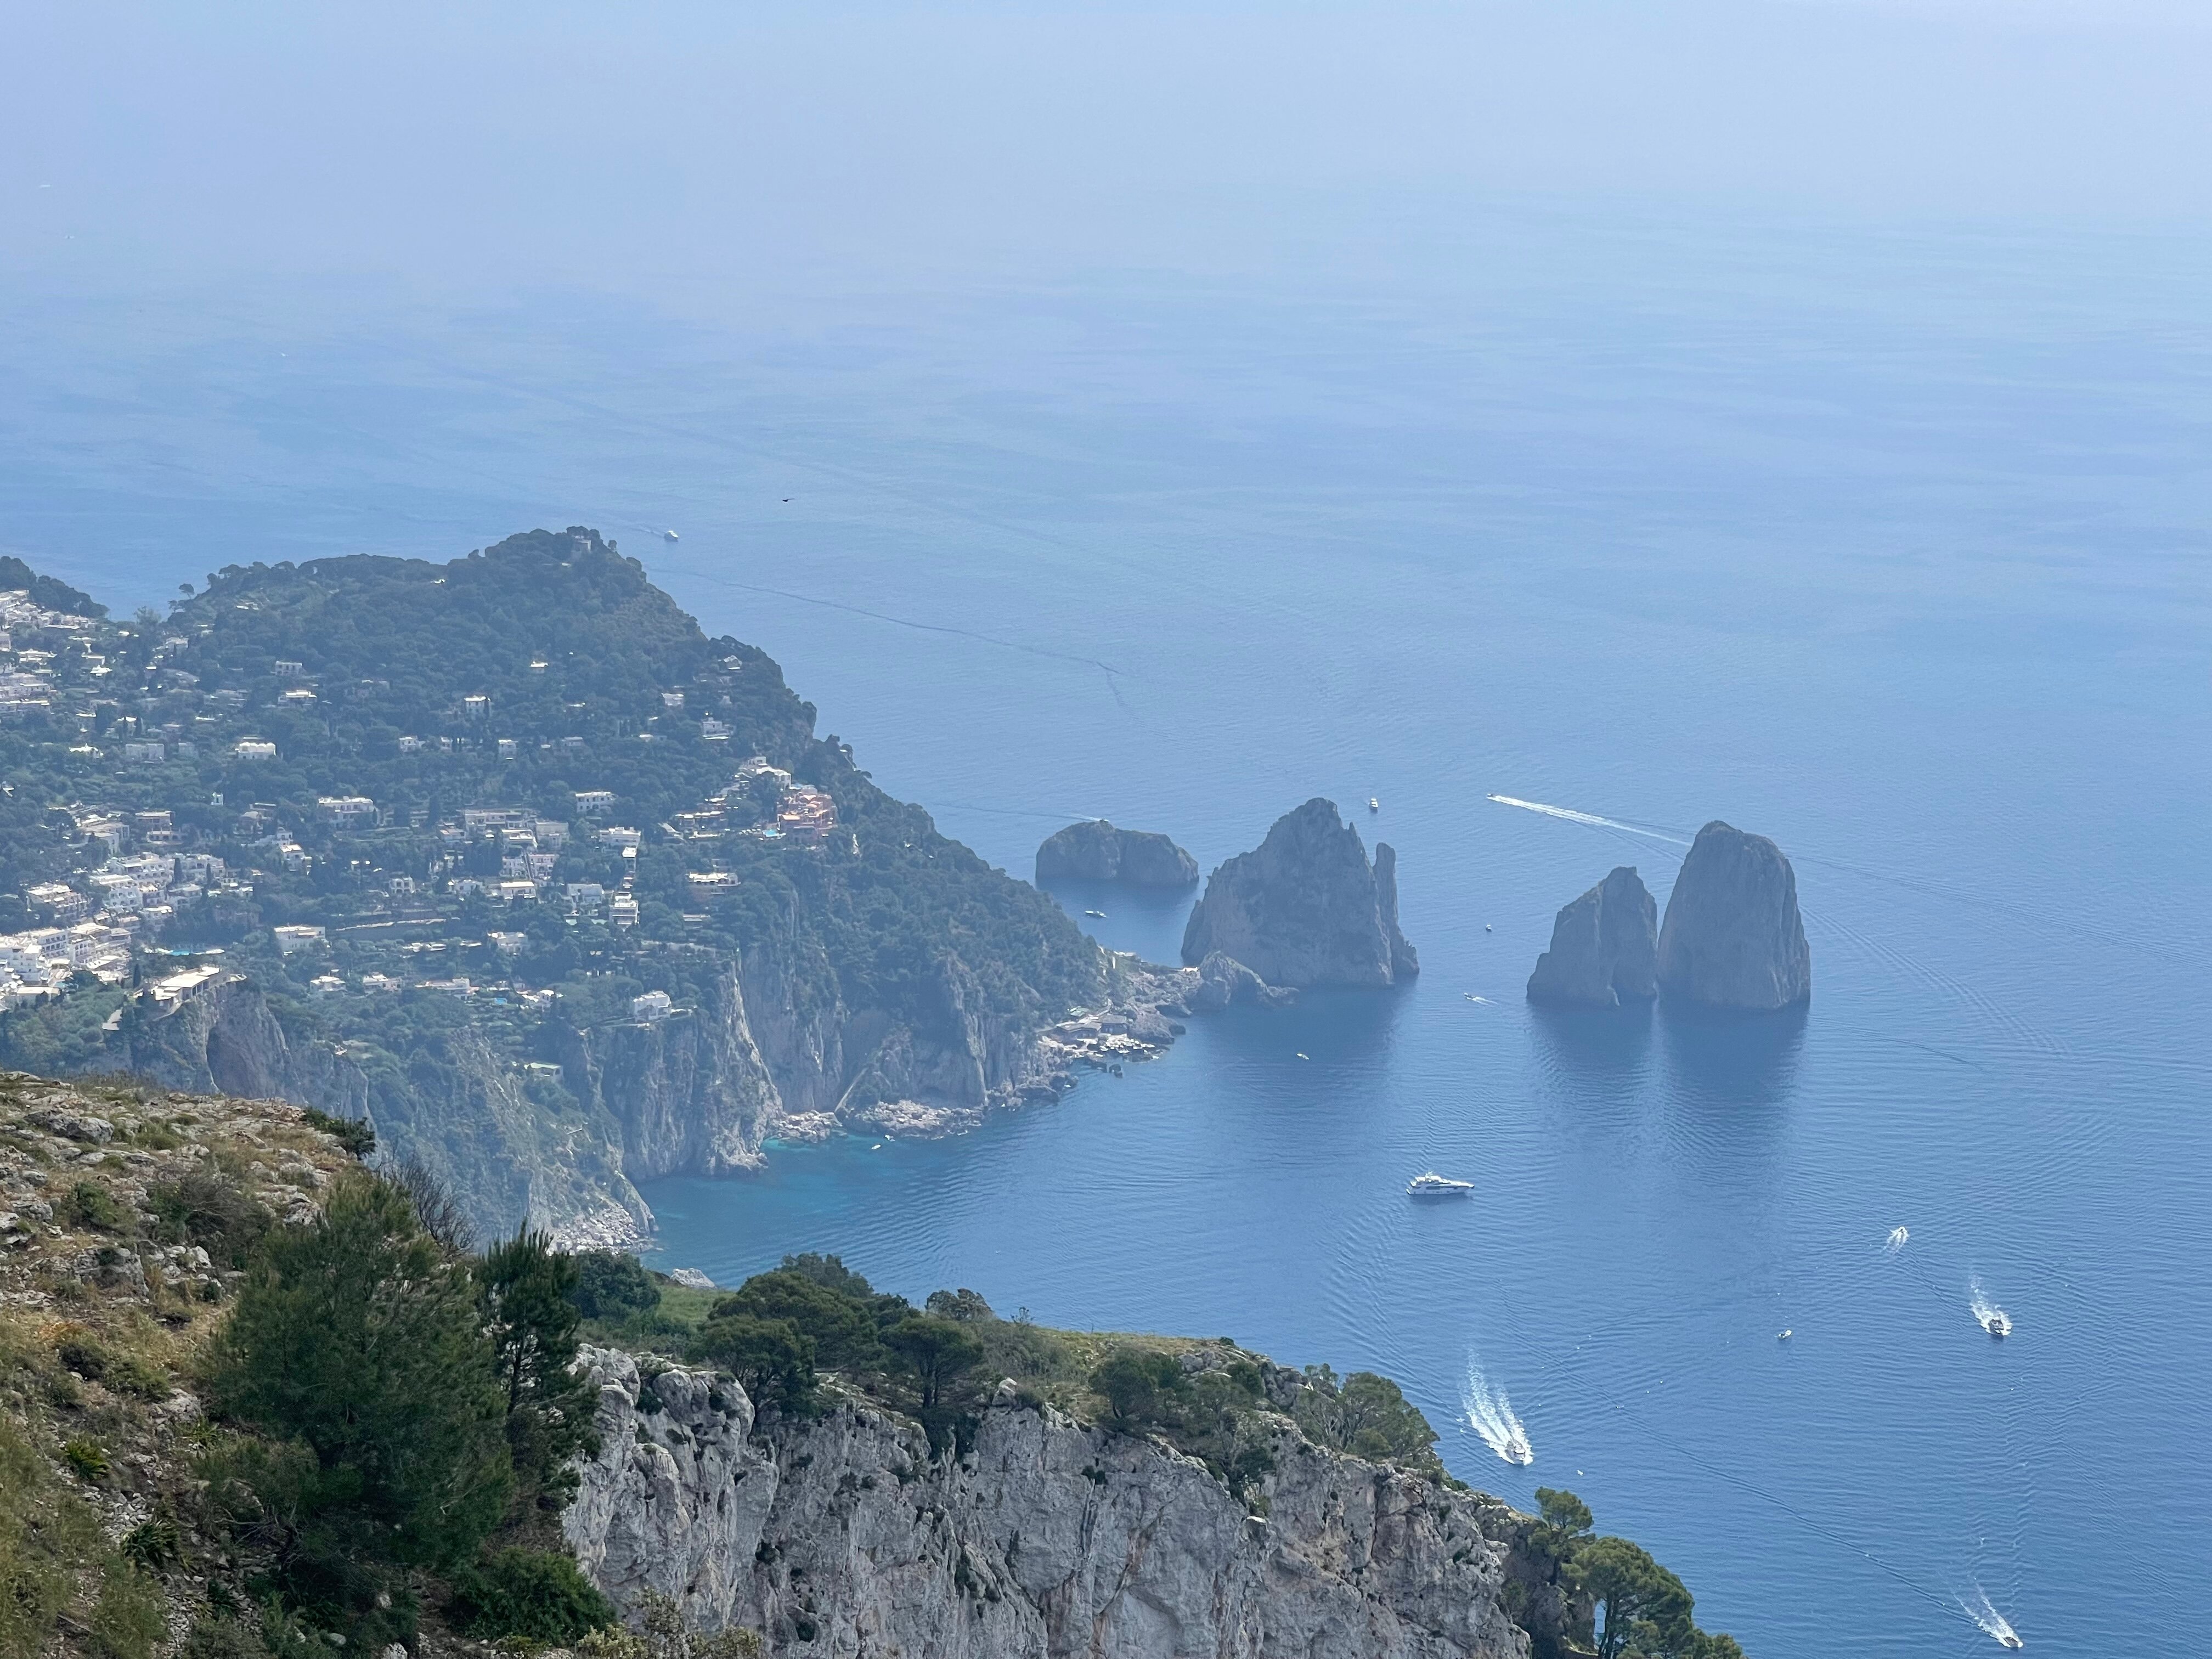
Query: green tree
pixel 610 1284
pixel 842 1329
pixel 1567 1515
pixel 1641 1608
pixel 532 1595
pixel 525 1288
pixel 936 1352
pixel 358 1338
pixel 1141 1386
pixel 1378 1422
pixel 772 1359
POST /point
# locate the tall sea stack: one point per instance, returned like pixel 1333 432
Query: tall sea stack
pixel 1097 851
pixel 1305 907
pixel 1732 938
pixel 1605 947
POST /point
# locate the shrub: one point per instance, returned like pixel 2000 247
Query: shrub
pixel 126 1620
pixel 208 1207
pixel 222 1636
pixel 965 1306
pixel 1140 1387
pixel 154 1545
pixel 125 1373
pixel 89 1204
pixel 88 1457
pixel 667 1636
pixel 354 1134
pixel 534 1596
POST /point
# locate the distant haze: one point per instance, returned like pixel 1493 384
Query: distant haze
pixel 640 146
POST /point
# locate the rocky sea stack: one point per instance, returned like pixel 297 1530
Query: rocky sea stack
pixel 1306 907
pixel 1097 851
pixel 1605 947
pixel 1732 938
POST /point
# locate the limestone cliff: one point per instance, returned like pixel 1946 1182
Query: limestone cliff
pixel 1604 947
pixel 1097 851
pixel 844 1536
pixel 1732 938
pixel 1306 907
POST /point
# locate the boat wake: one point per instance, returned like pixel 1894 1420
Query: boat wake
pixel 1573 816
pixel 1993 1623
pixel 1990 1316
pixel 1897 1237
pixel 1490 1414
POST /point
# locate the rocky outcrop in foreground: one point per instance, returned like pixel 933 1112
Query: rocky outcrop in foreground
pixel 1097 851
pixel 1605 947
pixel 1305 907
pixel 844 1536
pixel 1732 938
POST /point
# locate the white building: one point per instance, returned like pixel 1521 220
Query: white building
pixel 652 1007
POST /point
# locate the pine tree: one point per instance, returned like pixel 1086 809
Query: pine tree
pixel 528 1289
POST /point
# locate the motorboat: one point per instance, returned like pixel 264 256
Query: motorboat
pixel 1997 1322
pixel 1101 914
pixel 670 535
pixel 1783 1336
pixel 2010 1639
pixel 1374 804
pixel 1430 1184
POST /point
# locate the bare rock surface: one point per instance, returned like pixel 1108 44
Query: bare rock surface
pixel 1306 907
pixel 1098 851
pixel 1605 947
pixel 844 1536
pixel 1732 938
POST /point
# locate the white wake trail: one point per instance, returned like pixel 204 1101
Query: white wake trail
pixel 1490 1414
pixel 1978 1607
pixel 1592 818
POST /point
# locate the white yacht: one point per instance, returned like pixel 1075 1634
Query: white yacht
pixel 1374 804
pixel 671 535
pixel 1430 1184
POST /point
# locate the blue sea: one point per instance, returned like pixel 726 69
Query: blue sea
pixel 1888 543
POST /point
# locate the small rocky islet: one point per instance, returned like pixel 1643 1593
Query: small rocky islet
pixel 1099 851
pixel 1306 907
pixel 1732 940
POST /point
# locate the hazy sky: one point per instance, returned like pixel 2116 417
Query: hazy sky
pixel 624 145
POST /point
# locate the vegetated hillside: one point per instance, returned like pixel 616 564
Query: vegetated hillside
pixel 257 1401
pixel 330 746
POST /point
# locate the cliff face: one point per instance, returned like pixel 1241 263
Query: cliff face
pixel 773 1045
pixel 841 1536
pixel 1604 947
pixel 1097 851
pixel 1732 938
pixel 1305 907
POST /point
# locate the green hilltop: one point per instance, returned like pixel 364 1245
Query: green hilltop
pixel 516 793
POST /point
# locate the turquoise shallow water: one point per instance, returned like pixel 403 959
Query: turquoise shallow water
pixel 1889 547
